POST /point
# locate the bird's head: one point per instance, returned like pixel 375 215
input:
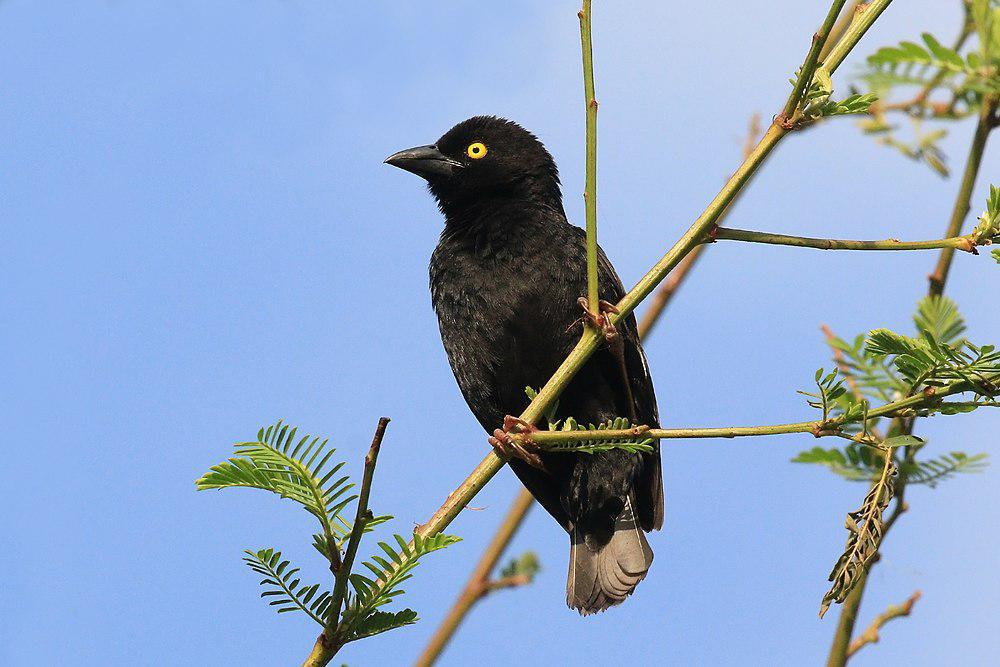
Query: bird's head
pixel 484 158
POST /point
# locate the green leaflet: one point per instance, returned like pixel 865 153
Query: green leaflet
pixel 389 573
pixel 286 592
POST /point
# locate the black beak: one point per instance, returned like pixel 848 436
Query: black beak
pixel 425 161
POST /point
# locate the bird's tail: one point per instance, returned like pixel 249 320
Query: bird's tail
pixel 601 576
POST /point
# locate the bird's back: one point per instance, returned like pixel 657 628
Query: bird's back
pixel 505 295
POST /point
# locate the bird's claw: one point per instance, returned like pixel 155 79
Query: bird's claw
pixel 507 446
pixel 600 320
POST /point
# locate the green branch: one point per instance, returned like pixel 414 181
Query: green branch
pixel 965 243
pixel 590 192
pixel 819 427
pixel 863 19
pixel 963 200
pixel 808 69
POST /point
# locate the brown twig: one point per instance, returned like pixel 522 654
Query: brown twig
pixel 478 585
pixel 870 635
pixel 333 636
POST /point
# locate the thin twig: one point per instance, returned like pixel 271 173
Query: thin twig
pixel 361 519
pixel 964 243
pixel 837 32
pixel 870 635
pixel 808 69
pixel 590 193
pixel 819 427
pixel 332 638
pixel 963 202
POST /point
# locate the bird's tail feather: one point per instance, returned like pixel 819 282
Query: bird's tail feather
pixel 603 577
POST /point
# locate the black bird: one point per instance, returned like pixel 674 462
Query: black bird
pixel 505 280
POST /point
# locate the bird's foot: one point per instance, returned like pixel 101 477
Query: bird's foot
pixel 514 441
pixel 601 319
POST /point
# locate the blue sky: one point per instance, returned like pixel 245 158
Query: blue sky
pixel 200 238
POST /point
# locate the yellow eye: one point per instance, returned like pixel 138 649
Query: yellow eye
pixel 476 150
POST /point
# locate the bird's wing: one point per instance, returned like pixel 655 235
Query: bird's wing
pixel 649 489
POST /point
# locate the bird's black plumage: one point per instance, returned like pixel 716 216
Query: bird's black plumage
pixel 505 279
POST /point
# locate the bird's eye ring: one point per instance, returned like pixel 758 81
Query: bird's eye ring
pixel 476 151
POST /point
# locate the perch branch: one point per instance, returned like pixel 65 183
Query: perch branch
pixel 965 243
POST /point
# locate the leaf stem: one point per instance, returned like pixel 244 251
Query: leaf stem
pixel 590 192
pixel 965 243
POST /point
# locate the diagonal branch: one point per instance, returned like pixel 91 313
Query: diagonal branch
pixel 665 294
pixel 808 69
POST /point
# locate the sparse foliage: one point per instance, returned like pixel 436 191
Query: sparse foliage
pixel 907 376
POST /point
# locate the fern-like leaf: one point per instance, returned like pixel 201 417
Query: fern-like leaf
pixel 932 471
pixel 389 573
pixel 855 463
pixel 938 317
pixel 286 591
pixel 865 528
pixel 931 54
pixel 381 621
pixel 628 443
pixel 294 468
